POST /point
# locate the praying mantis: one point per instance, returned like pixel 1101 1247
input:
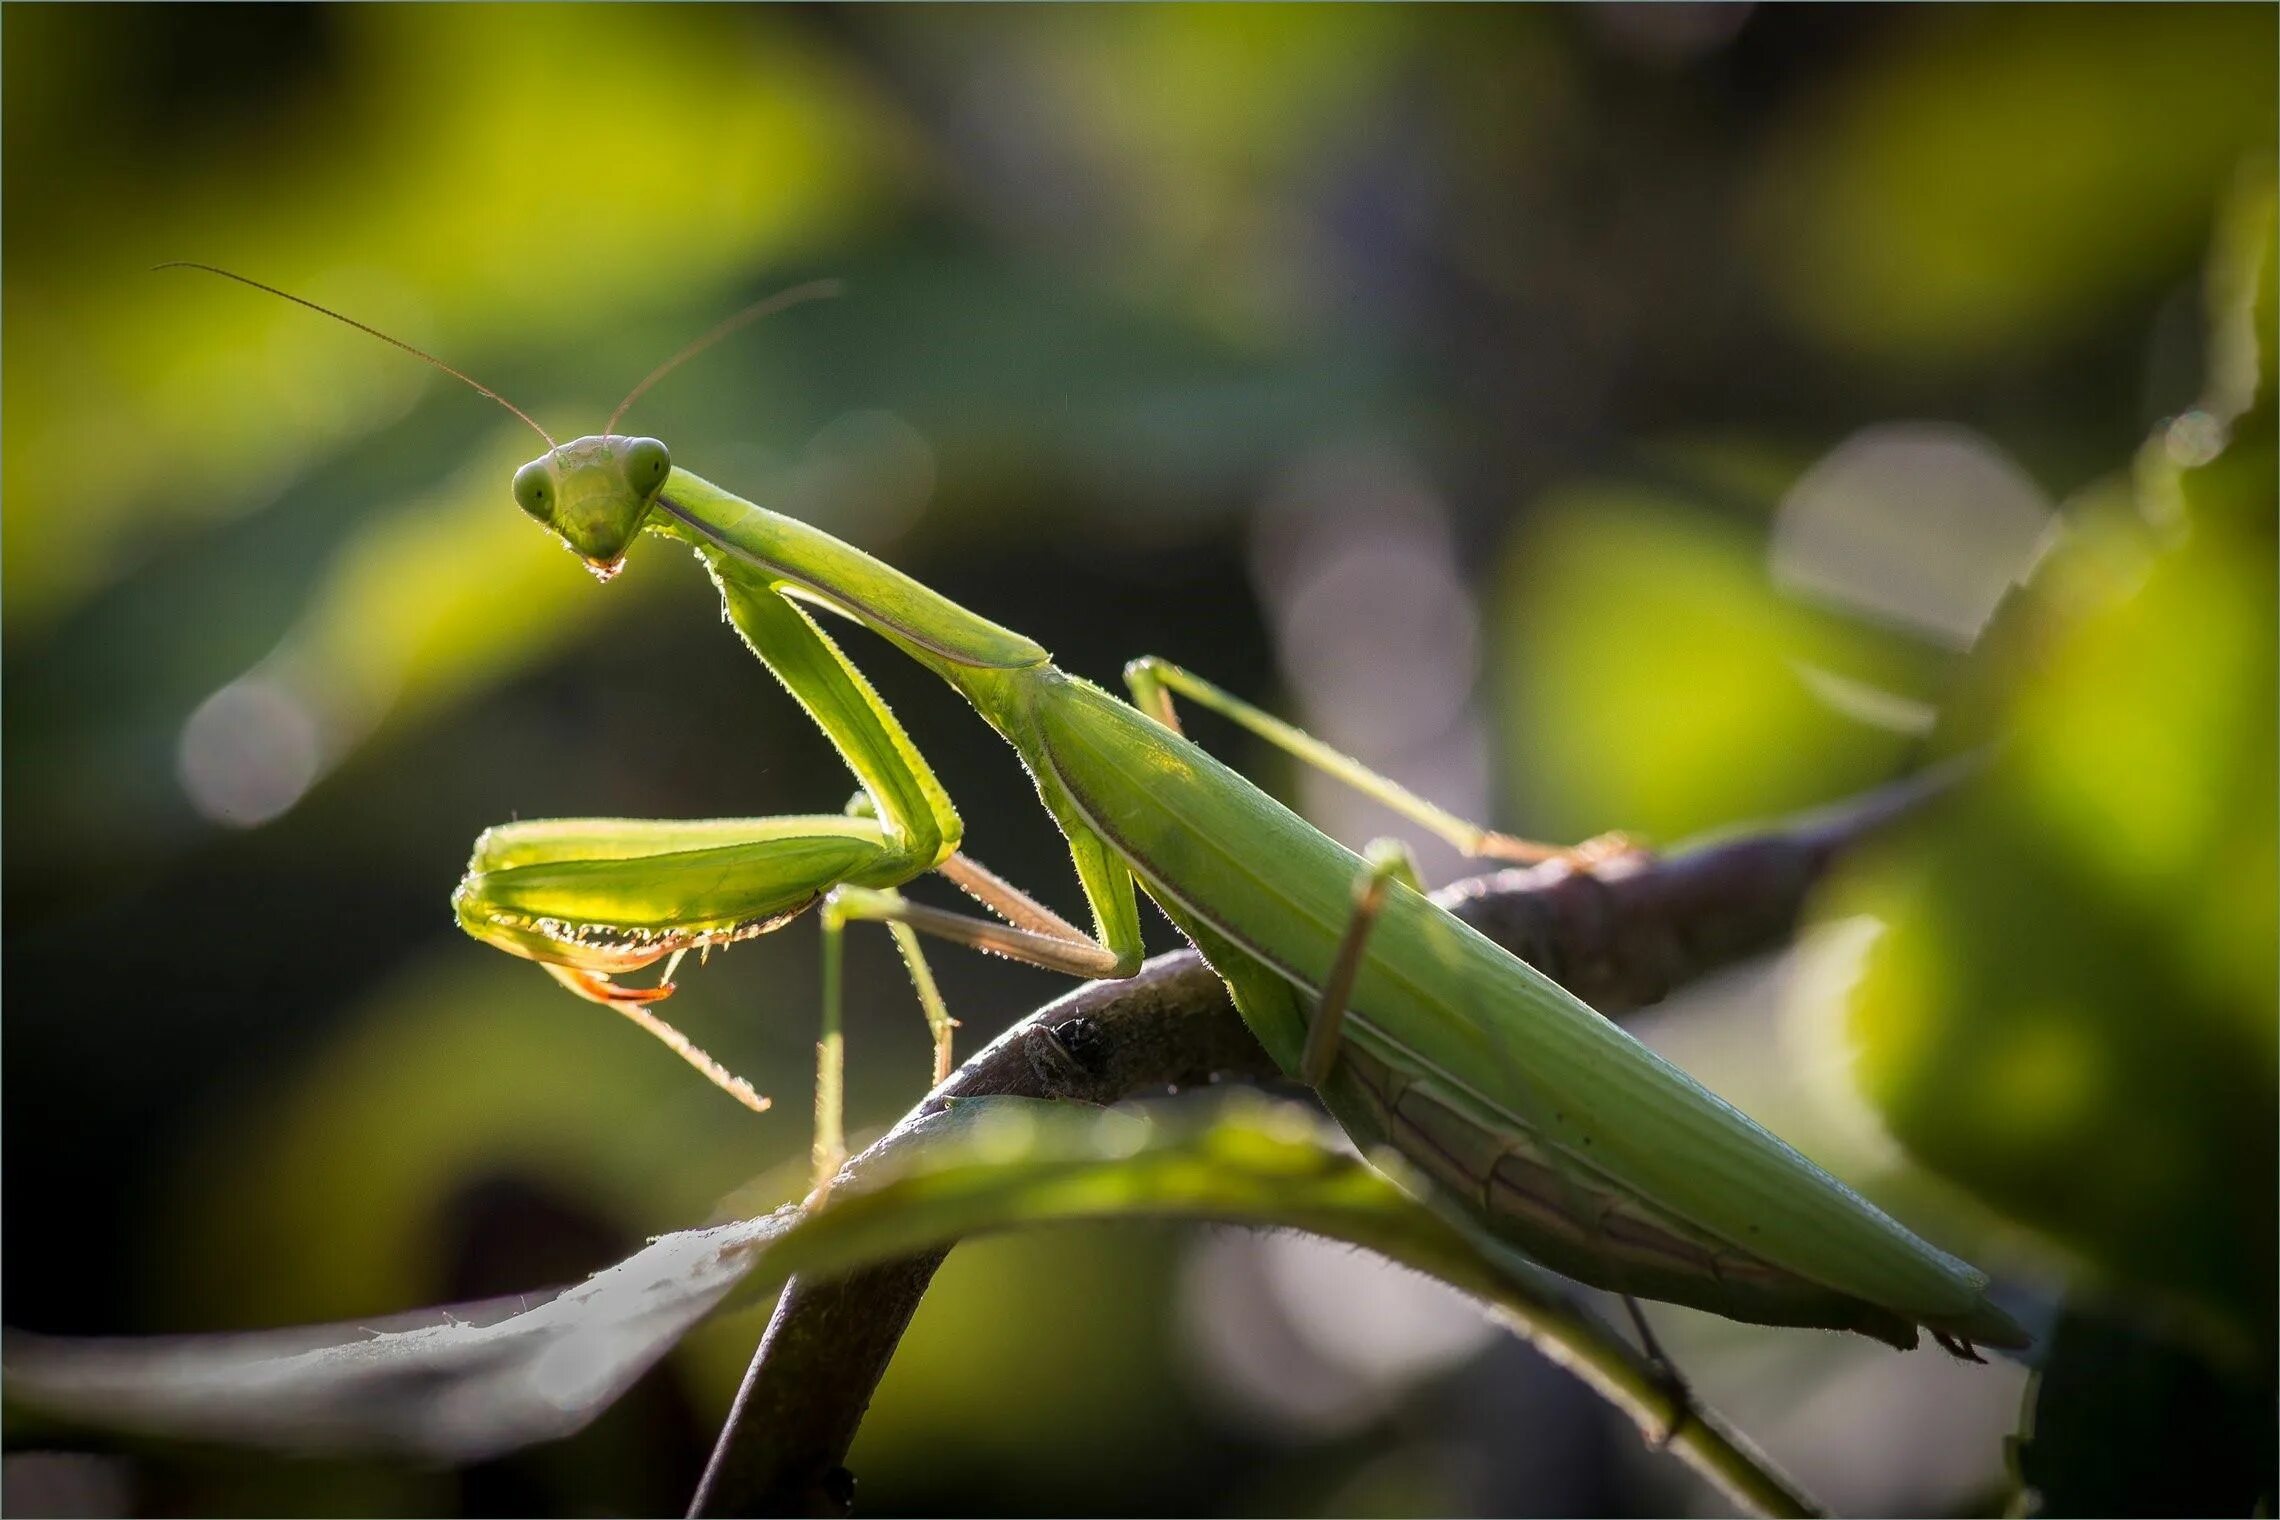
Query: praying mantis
pixel 1516 1107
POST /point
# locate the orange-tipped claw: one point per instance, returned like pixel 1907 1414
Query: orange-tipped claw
pixel 596 987
pixel 630 1001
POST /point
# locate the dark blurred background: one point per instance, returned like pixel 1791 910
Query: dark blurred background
pixel 1612 417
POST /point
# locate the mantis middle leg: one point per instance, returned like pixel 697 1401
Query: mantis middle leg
pixel 1032 933
pixel 1154 681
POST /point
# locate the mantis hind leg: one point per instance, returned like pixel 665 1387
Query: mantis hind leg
pixel 1386 860
pixel 1155 681
pixel 1674 1384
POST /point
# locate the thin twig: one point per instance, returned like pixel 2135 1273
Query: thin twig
pixel 1620 936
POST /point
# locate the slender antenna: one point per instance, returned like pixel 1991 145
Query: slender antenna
pixel 416 353
pixel 813 290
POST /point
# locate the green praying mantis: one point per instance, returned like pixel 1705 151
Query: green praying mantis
pixel 1516 1107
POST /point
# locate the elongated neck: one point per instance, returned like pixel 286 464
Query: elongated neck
pixel 810 562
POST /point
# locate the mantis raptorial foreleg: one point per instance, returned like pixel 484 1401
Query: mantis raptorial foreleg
pixel 633 1003
pixel 1153 681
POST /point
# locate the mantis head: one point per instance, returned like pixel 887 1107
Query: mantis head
pixel 594 492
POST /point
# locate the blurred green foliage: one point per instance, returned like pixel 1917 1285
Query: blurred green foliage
pixel 1609 281
pixel 1955 199
pixel 2071 1010
pixel 1645 623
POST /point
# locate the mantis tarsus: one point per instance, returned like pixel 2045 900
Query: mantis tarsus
pixel 1522 1110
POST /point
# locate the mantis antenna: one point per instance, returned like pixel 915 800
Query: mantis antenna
pixel 362 327
pixel 813 290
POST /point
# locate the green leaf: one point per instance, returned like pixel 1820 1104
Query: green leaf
pixel 461 1390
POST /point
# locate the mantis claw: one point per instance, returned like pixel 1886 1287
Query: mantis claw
pixel 596 987
pixel 1681 1398
pixel 1667 1378
pixel 1957 1347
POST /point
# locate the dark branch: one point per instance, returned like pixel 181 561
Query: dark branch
pixel 1620 937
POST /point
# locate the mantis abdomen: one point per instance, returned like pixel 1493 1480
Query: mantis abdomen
pixel 1527 1111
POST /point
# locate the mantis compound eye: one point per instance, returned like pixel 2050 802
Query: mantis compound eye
pixel 646 465
pixel 534 489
